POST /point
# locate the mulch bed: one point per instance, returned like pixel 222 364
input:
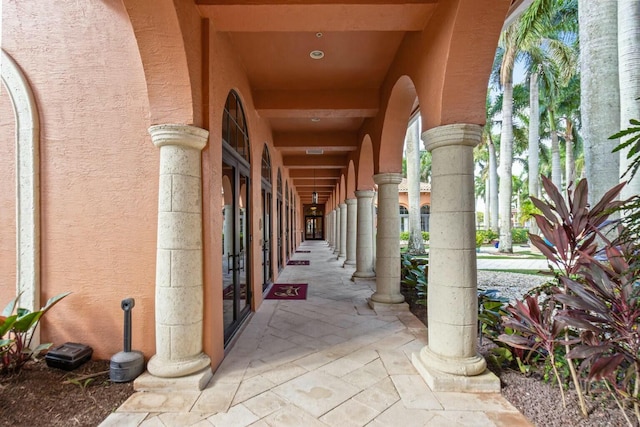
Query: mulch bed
pixel 538 400
pixel 39 396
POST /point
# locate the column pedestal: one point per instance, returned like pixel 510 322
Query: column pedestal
pixel 388 243
pixel 450 362
pixel 179 277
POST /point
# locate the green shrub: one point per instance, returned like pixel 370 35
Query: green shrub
pixel 404 235
pixel 519 235
pixel 413 274
pixel 425 236
pixel 486 235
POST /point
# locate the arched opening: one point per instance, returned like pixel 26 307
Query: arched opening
pixel 279 220
pixel 267 205
pixel 236 272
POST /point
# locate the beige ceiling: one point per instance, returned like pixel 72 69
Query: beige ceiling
pixel 316 104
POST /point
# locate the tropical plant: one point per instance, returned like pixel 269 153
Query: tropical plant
pixel 538 330
pixel 413 274
pixel 570 230
pixel 16 332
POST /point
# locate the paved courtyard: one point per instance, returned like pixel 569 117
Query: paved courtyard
pixel 328 360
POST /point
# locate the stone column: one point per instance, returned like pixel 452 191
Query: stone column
pixel 179 278
pixel 451 354
pixel 364 239
pixel 328 230
pixel 352 226
pixel 343 230
pixel 336 227
pixel 388 241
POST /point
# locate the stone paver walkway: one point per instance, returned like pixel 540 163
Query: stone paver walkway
pixel 326 361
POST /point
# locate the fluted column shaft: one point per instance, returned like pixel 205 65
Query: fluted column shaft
pixel 388 240
pixel 364 236
pixel 352 225
pixel 452 295
pixel 179 278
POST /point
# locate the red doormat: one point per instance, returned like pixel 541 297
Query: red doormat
pixel 288 291
pixel 303 252
pixel 298 262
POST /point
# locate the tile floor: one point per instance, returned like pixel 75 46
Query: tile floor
pixel 329 360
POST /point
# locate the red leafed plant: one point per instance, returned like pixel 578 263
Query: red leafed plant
pixel 537 330
pixel 600 299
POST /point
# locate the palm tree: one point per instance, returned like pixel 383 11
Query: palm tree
pixel 551 60
pixel 599 93
pixel 629 76
pixel 412 145
pixel 508 43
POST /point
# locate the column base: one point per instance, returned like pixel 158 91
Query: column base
pixel 387 298
pixel 177 368
pixel 194 382
pixel 348 263
pixel 363 275
pixel 431 368
pixel 385 306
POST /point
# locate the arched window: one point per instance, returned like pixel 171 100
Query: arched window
pixel 266 165
pixel 234 126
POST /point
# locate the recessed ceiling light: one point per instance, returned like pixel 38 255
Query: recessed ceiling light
pixel 318 34
pixel 315 119
pixel 316 54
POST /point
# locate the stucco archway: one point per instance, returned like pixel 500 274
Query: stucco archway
pixel 27 184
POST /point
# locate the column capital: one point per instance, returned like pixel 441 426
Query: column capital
pixel 343 205
pixel 351 201
pixel 387 178
pixel 364 193
pixel 454 134
pixel 181 135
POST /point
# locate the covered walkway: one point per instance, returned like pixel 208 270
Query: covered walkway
pixel 327 360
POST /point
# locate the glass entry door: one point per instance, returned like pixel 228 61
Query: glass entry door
pixel 236 292
pixel 267 272
pixel 313 228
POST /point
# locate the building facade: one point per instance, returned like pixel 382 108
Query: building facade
pixel 167 151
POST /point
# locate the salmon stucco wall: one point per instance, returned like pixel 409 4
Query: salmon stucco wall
pixel 7 200
pixel 99 169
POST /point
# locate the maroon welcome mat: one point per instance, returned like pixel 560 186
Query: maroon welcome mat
pixel 298 262
pixel 288 291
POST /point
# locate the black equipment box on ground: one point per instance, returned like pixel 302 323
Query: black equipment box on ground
pixel 68 356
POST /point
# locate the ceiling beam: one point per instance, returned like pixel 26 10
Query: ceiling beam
pixel 326 141
pixel 314 162
pixel 333 174
pixel 322 15
pixel 316 103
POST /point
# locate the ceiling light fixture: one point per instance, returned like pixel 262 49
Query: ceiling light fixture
pixel 314 195
pixel 315 119
pixel 316 54
pixel 318 34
